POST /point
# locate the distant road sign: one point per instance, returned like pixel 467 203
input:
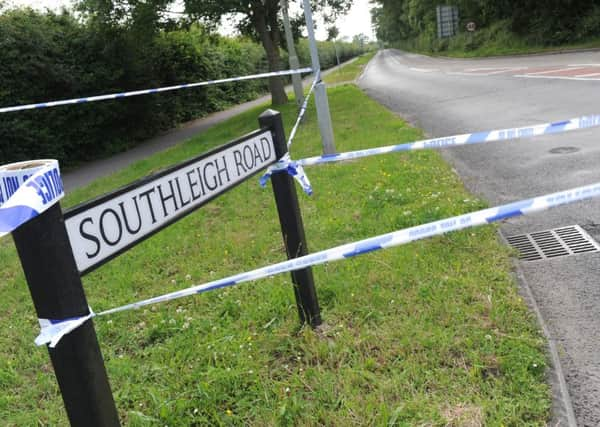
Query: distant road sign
pixel 447 21
pixel 105 227
pixel 471 26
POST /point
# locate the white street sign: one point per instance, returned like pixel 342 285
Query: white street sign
pixel 103 228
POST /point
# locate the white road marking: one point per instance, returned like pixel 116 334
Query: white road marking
pixel 461 73
pixel 424 70
pixel 506 71
pixel 485 69
pixel 584 65
pixel 559 70
pixel 588 75
pixel 496 69
pixel 490 71
pixel 529 76
pixel 458 73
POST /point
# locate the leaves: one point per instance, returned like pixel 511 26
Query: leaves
pixel 546 23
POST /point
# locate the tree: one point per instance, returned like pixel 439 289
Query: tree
pixel 540 22
pixel 263 17
pixel 332 33
pixel 260 18
pixel 361 39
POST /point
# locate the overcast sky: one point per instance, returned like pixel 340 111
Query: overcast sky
pixel 356 22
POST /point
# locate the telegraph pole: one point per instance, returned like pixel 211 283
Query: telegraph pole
pixel 323 115
pixel 293 58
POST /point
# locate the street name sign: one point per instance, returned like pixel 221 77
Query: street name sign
pixel 103 228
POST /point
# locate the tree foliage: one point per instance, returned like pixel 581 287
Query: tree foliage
pixel 545 22
pixel 48 56
pixel 263 18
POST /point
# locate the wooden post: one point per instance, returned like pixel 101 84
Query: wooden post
pixel 55 286
pixel 292 227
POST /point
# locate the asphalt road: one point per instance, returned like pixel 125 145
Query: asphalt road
pixel 448 96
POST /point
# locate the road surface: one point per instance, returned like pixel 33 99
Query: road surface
pixel 448 96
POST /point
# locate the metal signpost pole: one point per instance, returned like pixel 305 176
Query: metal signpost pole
pixel 293 58
pixel 323 114
pixel 292 227
pixel 57 293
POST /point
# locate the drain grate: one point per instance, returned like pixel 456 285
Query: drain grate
pixel 564 241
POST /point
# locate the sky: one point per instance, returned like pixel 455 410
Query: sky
pixel 357 21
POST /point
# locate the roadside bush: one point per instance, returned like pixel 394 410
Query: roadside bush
pixel 52 56
pixel 327 52
pixel 48 56
pixel 590 24
pixel 504 26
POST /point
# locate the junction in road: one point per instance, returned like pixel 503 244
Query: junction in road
pixel 451 96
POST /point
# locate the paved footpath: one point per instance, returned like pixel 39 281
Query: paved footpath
pixel 103 167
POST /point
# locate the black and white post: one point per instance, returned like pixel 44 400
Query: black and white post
pixel 292 227
pixel 57 293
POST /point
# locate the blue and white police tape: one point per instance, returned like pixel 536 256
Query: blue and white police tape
pixel 303 108
pixel 149 91
pixel 54 330
pixel 26 190
pixel 577 123
pixel 485 216
pixel 294 170
pixel 291 167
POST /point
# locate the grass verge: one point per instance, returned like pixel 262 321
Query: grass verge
pixel 431 333
pixel 495 40
pixel 519 48
pixel 349 72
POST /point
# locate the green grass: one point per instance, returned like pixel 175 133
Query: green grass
pixel 349 72
pixel 431 333
pixel 495 40
pixel 519 48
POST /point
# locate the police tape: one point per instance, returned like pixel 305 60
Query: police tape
pixel 26 190
pixel 292 168
pixel 584 122
pixel 303 108
pixel 150 91
pixel 53 330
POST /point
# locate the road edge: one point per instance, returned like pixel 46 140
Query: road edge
pixel 559 383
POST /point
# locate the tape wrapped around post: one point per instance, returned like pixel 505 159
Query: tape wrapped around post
pixel 52 330
pixel 296 171
pixel 26 190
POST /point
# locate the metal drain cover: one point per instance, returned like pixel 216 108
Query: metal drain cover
pixel 564 241
pixel 564 150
